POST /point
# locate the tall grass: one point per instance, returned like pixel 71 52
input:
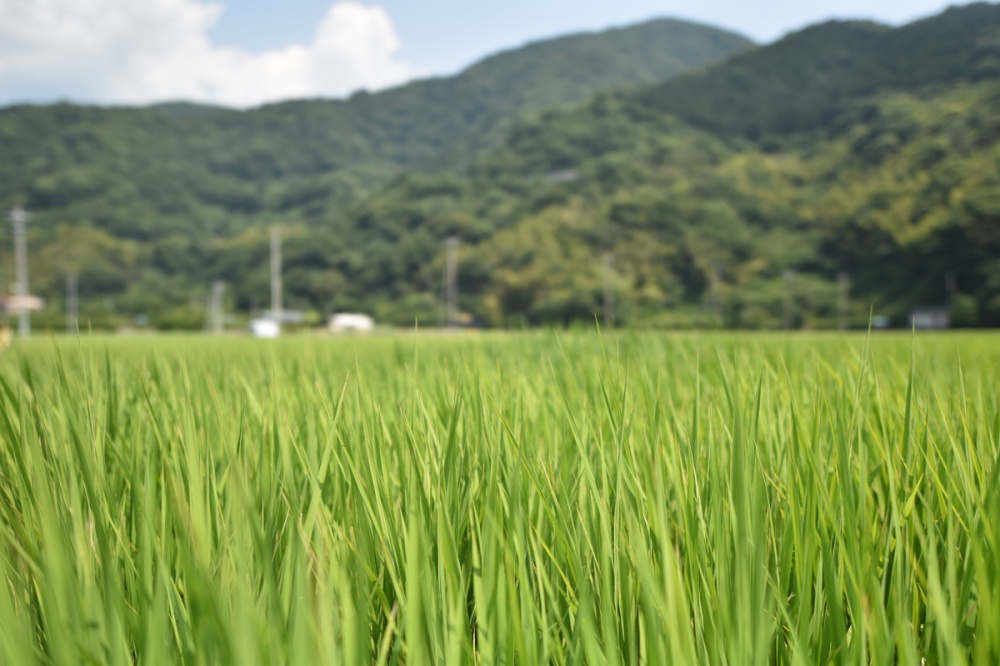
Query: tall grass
pixel 524 499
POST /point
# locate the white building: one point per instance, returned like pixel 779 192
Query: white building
pixel 930 317
pixel 291 317
pixel 15 304
pixel 265 328
pixel 348 322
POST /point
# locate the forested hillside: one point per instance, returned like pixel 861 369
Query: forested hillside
pixel 143 203
pixel 721 204
pixel 142 173
pixel 734 195
pixel 807 80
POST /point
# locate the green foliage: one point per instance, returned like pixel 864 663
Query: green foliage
pixel 186 182
pixel 528 499
pixel 805 81
pixel 963 311
pixel 895 184
pixel 219 170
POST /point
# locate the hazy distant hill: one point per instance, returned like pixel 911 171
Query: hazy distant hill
pixel 183 167
pixel 807 79
pixel 471 109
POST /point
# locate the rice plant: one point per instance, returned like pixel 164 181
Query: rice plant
pixel 501 499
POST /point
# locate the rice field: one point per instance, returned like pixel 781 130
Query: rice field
pixel 501 499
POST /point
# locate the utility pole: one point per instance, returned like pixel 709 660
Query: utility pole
pixel 843 299
pixel 276 273
pixel 443 301
pixel 789 296
pixel 716 303
pixel 218 287
pixel 72 303
pixel 18 217
pixel 609 290
pixel 451 281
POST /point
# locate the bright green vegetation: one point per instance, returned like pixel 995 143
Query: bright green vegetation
pixel 507 499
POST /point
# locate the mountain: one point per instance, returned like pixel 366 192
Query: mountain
pixel 186 168
pixel 805 80
pixel 845 168
pixel 475 108
pixel 848 161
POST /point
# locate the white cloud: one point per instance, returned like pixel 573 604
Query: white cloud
pixel 140 51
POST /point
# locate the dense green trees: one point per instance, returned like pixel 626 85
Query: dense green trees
pixel 866 168
pixel 733 196
pixel 188 188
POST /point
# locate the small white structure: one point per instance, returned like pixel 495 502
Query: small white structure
pixel 17 303
pixel 562 176
pixel 293 317
pixel 345 322
pixel 265 328
pixel 930 317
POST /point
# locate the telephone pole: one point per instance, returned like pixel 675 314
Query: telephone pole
pixel 276 273
pixel 218 287
pixel 72 303
pixel 451 281
pixel 609 290
pixel 843 299
pixel 18 217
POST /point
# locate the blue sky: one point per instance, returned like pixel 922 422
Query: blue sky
pixel 443 36
pixel 243 53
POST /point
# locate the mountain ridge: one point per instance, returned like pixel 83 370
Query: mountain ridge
pixel 865 57
pixel 734 195
pixel 307 158
pixel 184 107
